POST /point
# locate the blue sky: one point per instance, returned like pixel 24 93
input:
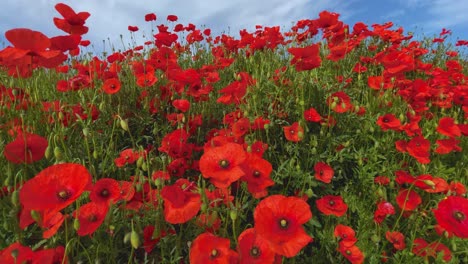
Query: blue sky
pixel 110 18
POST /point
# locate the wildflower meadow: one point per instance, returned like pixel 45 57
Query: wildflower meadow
pixel 320 143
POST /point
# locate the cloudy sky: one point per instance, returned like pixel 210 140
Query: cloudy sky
pixel 110 18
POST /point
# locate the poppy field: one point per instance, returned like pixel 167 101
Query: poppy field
pixel 320 143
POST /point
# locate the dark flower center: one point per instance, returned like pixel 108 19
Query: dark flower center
pixel 255 252
pixel 331 202
pixel 92 218
pixel 283 223
pixel 348 252
pixel 224 164
pixel 105 193
pixel 256 174
pixel 385 120
pixel 321 172
pixel 459 216
pixel 63 195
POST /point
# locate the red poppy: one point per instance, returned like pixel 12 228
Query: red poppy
pixel 408 200
pixel 419 148
pixel 24 254
pixel 306 58
pixel 279 219
pixel 332 205
pixel 133 28
pixel 384 209
pixel 257 175
pixel 445 146
pixel 397 239
pixel 208 248
pixel 423 249
pixel 312 115
pixel 172 18
pixel 222 164
pixel 111 86
pixel 457 188
pixel 90 217
pixel 105 190
pixel 152 236
pixel 240 127
pixel 26 148
pixel 182 202
pixel 452 214
pixel 388 122
pixel 447 127
pixel 346 235
pixel 339 102
pixel 150 17
pixel 253 249
pixel 181 104
pixel 72 23
pixel 323 172
pixel 50 221
pixel 353 254
pixel 294 132
pixel 50 255
pixel 55 187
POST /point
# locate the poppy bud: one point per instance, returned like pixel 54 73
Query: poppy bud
pixel 35 216
pixel 144 166
pixel 127 237
pixel 139 162
pixel 48 152
pixel 314 150
pixel 375 238
pixel 58 153
pixel 124 124
pixel 203 207
pixel 134 239
pixel 76 224
pixel 95 154
pixel 309 192
pixel 86 132
pixel 14 253
pixel 333 105
pixel 15 198
pixel 233 215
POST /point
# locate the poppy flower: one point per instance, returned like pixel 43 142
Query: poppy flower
pixel 253 249
pixel 332 205
pixel 181 104
pixel 384 209
pixel 457 188
pixel 257 175
pixel 105 190
pixel 181 201
pixel 24 254
pixel 208 248
pixel 306 58
pixel 447 127
pixel 50 255
pixel 278 220
pixel 133 28
pixel 26 148
pixel 90 217
pixel 172 18
pixel 312 115
pixel 353 254
pixel 339 102
pixel 240 127
pixel 294 132
pixel 452 214
pixel 72 23
pixel 408 200
pixel 423 249
pixel 152 236
pixel 388 122
pixel 111 86
pixel 346 235
pixel 445 146
pixel 55 187
pixel 150 17
pixel 323 172
pixel 419 148
pixel 397 239
pixel 222 164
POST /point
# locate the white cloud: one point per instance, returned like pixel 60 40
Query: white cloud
pixel 110 18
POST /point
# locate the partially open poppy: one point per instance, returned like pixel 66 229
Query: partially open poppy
pixel 26 148
pixel 90 217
